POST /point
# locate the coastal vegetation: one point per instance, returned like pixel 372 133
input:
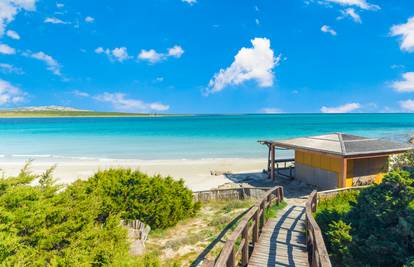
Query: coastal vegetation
pixel 43 224
pixel 358 226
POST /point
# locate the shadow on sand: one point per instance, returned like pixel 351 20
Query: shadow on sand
pixel 291 187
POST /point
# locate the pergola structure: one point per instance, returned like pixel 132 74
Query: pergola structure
pixel 336 160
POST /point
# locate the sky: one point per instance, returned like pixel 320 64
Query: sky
pixel 208 56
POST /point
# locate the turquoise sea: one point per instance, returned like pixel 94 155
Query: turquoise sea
pixel 190 137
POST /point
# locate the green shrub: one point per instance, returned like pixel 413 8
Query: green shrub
pixel 42 225
pixel 374 229
pixel 340 239
pixel 157 201
pixel 335 209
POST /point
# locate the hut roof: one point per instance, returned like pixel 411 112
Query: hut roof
pixel 342 144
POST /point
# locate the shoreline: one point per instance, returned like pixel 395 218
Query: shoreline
pixel 196 173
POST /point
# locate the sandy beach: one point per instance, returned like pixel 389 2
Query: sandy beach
pixel 195 173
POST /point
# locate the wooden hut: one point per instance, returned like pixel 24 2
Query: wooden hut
pixel 336 160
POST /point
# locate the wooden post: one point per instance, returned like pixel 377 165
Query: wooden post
pixel 277 196
pixel 344 172
pixel 262 217
pixel 256 227
pixel 272 163
pixel 245 249
pixel 231 261
pixel 281 194
pixel 268 161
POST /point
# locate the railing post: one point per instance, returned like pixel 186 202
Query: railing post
pixel 256 227
pixel 262 217
pixel 281 193
pixel 245 249
pixel 231 260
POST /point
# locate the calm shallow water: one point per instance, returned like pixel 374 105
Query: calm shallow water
pixel 192 137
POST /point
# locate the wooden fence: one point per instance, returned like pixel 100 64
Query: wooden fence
pixel 332 193
pixel 242 240
pixel 318 254
pixel 230 193
pixel 141 230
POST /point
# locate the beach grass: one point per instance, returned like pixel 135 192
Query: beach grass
pixel 180 245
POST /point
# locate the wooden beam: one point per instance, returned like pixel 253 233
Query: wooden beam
pixel 344 171
pixel 268 162
pixel 272 163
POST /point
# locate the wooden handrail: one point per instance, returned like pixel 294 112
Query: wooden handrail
pixel 247 232
pixel 317 252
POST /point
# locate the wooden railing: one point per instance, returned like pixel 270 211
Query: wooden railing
pixel 242 240
pixel 230 193
pixel 318 255
pixel 332 193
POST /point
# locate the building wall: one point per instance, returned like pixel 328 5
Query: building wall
pixel 325 171
pixel 366 171
pixel 317 169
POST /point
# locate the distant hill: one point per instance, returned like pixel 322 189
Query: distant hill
pixel 60 111
pixel 47 108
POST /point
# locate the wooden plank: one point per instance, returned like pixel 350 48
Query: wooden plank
pixel 283 240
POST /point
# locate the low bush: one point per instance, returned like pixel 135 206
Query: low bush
pixel 373 228
pixel 157 201
pixel 41 224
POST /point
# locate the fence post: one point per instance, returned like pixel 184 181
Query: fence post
pixel 281 193
pixel 245 249
pixel 262 217
pixel 256 227
pixel 231 260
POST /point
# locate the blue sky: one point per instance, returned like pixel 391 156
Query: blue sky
pixel 208 56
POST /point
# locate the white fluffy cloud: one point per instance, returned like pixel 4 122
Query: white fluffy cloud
pixel 89 19
pixel 55 21
pixel 406 31
pixel 350 12
pixel 405 85
pixel 9 10
pixel 7 50
pixel 10 94
pixel 254 63
pixel 122 103
pixel 153 56
pixel 407 105
pixel 51 64
pixel 341 109
pixel 150 55
pixel 363 4
pixel 119 54
pixel 190 2
pixel 175 51
pixel 7 68
pixel 12 34
pixel 328 29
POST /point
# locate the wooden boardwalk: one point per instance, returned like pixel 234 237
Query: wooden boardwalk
pixel 283 241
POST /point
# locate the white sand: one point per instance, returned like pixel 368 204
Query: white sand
pixel 196 173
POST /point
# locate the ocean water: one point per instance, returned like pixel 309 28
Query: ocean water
pixel 192 137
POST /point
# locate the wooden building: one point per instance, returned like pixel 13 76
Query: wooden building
pixel 336 160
